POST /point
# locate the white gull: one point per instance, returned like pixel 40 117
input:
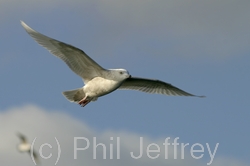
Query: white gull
pixel 25 146
pixel 98 81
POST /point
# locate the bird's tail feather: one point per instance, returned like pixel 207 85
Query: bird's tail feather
pixel 74 95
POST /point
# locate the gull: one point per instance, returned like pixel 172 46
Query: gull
pixel 98 81
pixel 25 146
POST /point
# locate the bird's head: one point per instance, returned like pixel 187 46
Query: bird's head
pixel 120 74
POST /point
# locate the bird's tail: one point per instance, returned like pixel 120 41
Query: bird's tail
pixel 74 95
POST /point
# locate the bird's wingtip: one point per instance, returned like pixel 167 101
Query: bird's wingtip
pixel 22 23
pixel 26 27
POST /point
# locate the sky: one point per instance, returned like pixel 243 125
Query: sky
pixel 201 47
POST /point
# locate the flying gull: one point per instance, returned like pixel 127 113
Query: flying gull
pixel 25 146
pixel 98 81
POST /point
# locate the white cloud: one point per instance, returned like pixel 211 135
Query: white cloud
pixel 45 125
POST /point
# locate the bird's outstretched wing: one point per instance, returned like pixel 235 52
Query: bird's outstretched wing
pixel 35 156
pixel 22 138
pixel 77 60
pixel 153 86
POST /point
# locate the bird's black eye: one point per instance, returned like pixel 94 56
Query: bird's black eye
pixel 121 72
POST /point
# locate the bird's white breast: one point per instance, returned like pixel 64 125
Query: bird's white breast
pixel 99 86
pixel 24 147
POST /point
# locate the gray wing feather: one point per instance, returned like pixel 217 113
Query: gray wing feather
pixel 77 60
pixel 22 137
pixel 35 156
pixel 153 86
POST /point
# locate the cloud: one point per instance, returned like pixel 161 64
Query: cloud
pixel 171 27
pixel 45 125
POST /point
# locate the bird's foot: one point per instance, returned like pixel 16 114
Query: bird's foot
pixel 84 102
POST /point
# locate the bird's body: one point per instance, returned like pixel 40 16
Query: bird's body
pixel 24 147
pixel 93 88
pixel 96 87
pixel 98 81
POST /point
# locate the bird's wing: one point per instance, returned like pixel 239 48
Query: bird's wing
pixel 77 60
pixel 22 137
pixel 35 156
pixel 153 86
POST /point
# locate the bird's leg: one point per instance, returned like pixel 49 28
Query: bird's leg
pixel 84 101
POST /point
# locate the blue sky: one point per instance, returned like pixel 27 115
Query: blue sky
pixel 200 47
